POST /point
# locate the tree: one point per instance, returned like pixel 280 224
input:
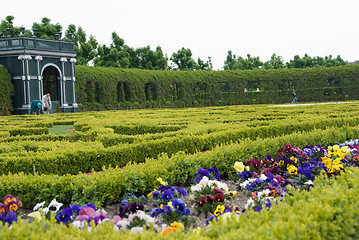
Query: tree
pixel 86 49
pixel 183 60
pixel 145 58
pixel 8 22
pixel 116 55
pixel 231 60
pixel 46 29
pixel 275 62
pixel 201 65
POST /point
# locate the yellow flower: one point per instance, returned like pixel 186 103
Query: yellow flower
pixel 337 161
pixel 170 204
pixel 292 170
pixel 295 160
pixel 239 166
pixel 336 148
pixel 35 215
pixel 219 210
pixel 232 193
pixel 177 225
pixel 161 181
pixel 327 161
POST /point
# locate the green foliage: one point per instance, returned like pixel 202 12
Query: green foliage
pixel 86 49
pixel 6 89
pixel 46 29
pixel 101 88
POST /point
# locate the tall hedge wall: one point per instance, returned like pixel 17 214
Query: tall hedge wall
pixel 6 89
pixel 112 88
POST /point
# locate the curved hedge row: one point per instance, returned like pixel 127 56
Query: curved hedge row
pixel 111 184
pixel 87 156
pixel 113 88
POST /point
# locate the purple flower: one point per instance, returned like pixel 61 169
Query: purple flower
pixel 201 173
pixel 258 209
pixel 167 209
pixel 75 208
pixel 182 191
pixel 124 202
pixel 167 195
pixel 210 219
pixel 180 206
pixel 64 216
pixel 134 207
pixel 98 218
pixel 215 172
pixel 268 204
pixel 156 211
pixel 245 175
pixel 156 195
pixel 9 218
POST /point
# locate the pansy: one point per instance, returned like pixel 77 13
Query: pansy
pixel 239 166
pixel 64 216
pixel 161 181
pixel 292 170
pixel 54 206
pixel 39 205
pixel 182 191
pixel 36 215
pixel 13 206
pixel 8 198
pixel 167 195
pixel 219 210
pixel 3 208
pixel 180 206
pixel 10 217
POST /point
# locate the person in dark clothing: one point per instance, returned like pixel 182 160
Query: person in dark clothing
pixel 294 97
pixel 36 107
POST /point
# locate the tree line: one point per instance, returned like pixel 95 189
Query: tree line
pixel 118 54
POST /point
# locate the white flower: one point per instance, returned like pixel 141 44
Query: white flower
pixel 39 205
pixel 78 224
pixel 137 229
pixel 249 203
pixel 54 206
pixel 203 183
pixel 263 177
pixel 309 182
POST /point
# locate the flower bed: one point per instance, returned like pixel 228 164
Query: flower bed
pixel 266 183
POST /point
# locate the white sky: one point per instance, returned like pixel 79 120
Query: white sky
pixel 209 28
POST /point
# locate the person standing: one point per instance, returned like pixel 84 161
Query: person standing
pixel 46 103
pixel 295 100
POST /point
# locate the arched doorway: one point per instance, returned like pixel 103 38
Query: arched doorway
pixel 50 80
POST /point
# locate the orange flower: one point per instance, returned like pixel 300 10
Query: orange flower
pixel 13 206
pixel 168 230
pixel 271 194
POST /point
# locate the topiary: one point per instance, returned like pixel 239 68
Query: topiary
pixel 5 110
pixel 58 109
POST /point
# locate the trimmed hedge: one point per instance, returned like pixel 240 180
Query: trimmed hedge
pixel 101 88
pixel 75 157
pixel 110 185
pixel 6 89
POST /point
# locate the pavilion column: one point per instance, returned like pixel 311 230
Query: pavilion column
pixel 25 77
pixel 40 83
pixel 73 61
pixel 63 83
